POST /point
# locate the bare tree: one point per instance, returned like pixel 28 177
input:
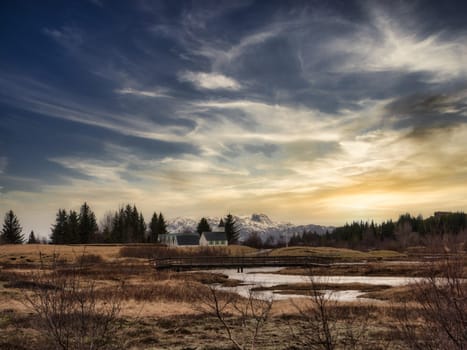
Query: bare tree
pixel 242 318
pixel 316 311
pixel 326 324
pixel 439 318
pixel 76 315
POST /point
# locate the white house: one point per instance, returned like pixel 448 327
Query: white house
pixel 213 239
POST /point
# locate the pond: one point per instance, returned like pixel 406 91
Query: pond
pixel 266 277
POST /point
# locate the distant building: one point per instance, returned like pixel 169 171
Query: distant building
pixel 213 239
pixel 179 239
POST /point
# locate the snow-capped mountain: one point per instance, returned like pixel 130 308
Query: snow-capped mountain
pixel 259 223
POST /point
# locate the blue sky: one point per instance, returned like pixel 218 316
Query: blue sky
pixel 309 111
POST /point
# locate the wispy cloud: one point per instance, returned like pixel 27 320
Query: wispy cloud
pixel 49 101
pixel 108 171
pixel 223 53
pixel 153 93
pixel 277 123
pixel 67 36
pixel 389 45
pixel 210 81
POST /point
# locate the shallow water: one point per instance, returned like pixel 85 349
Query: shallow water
pixel 265 277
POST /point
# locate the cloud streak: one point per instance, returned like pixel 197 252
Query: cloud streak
pixel 143 93
pixel 210 81
pixel 387 45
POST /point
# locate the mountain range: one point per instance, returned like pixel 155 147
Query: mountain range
pixel 259 223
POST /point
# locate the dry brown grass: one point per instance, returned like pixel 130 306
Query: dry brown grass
pixel 158 308
pixel 304 288
pixel 336 253
pixel 158 251
pixel 393 294
pixel 33 253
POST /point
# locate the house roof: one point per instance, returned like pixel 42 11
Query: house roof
pixel 187 239
pixel 215 236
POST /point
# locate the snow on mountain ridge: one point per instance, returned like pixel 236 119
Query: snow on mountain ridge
pixel 257 222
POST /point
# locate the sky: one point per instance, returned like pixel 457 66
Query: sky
pixel 309 111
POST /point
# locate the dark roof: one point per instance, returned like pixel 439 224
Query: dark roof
pixel 215 236
pixel 187 239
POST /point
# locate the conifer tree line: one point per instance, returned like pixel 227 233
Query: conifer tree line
pixel 73 228
pixel 126 225
pixel 360 234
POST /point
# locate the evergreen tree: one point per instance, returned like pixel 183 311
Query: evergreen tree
pixel 231 229
pixel 203 226
pixel 126 226
pixel 153 226
pixel 87 224
pixel 134 225
pixel 118 227
pixel 72 229
pixel 161 225
pixel 60 229
pixel 130 221
pixel 11 232
pixel 32 238
pixel 141 228
pixel 387 230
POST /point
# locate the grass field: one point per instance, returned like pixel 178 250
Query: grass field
pixel 162 309
pixel 34 253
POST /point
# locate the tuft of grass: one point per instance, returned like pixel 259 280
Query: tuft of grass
pixel 89 259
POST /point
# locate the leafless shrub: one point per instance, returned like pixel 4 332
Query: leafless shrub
pixel 438 320
pixel 319 321
pixel 73 314
pixel 242 318
pixel 327 325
